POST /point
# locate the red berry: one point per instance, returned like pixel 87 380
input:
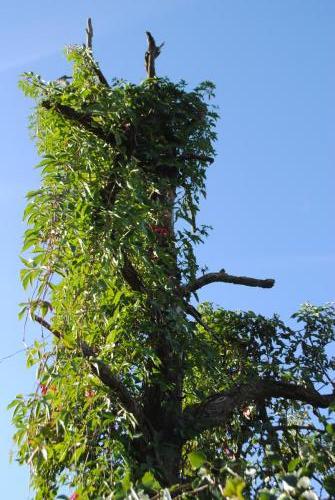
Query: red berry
pixel 44 389
pixel 162 231
pixel 89 393
pixel 74 496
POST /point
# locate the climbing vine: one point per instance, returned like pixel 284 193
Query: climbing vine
pixel 140 394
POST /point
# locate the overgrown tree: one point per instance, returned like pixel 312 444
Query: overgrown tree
pixel 140 392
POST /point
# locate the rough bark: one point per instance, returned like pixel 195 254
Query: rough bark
pixel 162 396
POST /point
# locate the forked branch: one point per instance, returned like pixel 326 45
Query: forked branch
pixel 89 46
pixel 151 54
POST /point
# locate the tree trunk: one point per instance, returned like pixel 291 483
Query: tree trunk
pixel 162 400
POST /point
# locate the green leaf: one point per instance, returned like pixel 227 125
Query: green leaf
pixel 197 459
pixel 126 482
pixel 293 464
pixel 68 341
pixel 149 481
pixel 329 484
pixel 23 311
pixel 234 488
pixel 330 428
pixel 266 495
pixel 78 453
pixel 12 404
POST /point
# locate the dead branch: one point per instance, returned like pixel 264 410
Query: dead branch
pixel 89 46
pixel 89 34
pixel 151 54
pixel 223 277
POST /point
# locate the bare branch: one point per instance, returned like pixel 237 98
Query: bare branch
pixel 223 277
pixel 89 46
pixel 217 409
pixel 151 54
pixel 102 371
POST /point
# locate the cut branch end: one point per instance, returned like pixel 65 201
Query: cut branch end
pixel 89 34
pixel 151 54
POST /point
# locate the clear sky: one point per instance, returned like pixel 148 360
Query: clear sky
pixel 271 190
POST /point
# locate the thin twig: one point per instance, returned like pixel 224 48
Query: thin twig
pixel 4 358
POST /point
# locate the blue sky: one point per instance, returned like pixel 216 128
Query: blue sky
pixel 270 193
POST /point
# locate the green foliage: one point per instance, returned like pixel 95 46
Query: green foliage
pixel 197 459
pixel 234 488
pixel 115 179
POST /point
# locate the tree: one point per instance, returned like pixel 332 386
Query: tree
pixel 139 392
